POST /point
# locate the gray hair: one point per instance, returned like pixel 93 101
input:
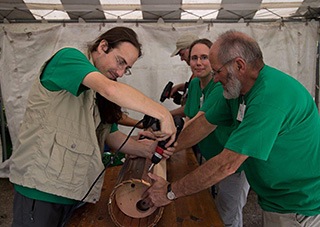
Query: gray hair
pixel 234 44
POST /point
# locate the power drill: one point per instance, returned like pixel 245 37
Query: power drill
pixel 166 94
pixel 155 125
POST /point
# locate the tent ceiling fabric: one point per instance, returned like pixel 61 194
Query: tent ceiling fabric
pixel 16 11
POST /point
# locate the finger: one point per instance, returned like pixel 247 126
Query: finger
pixel 170 150
pixel 156 178
pixel 158 134
pixel 153 176
pixel 172 139
pixel 146 135
pixel 167 154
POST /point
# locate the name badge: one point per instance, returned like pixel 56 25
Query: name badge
pixel 242 109
pixel 201 101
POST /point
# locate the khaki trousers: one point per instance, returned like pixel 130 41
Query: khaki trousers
pixel 273 219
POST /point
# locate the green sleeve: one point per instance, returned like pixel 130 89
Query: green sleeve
pixel 217 109
pixel 193 101
pixel 114 128
pixel 66 71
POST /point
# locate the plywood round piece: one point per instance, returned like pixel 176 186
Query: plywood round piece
pixel 124 204
pixel 127 196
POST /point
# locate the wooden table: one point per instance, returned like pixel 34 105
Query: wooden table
pixel 190 211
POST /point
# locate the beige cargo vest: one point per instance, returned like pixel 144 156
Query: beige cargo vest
pixel 57 150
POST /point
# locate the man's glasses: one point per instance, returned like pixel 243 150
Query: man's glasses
pixel 202 58
pixel 121 63
pixel 220 69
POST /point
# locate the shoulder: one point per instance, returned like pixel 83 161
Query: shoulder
pixel 69 51
pixel 194 83
pixel 68 57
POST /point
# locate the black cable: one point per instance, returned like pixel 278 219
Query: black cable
pixel 116 153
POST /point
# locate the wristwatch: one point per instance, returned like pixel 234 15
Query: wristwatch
pixel 170 194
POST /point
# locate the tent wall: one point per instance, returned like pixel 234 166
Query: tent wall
pixel 291 47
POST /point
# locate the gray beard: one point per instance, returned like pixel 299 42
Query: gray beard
pixel 233 87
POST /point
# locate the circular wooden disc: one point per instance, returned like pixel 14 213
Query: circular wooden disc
pixel 128 194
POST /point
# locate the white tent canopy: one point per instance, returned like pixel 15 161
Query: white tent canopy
pixel 12 11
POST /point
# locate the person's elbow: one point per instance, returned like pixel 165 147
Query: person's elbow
pixel 231 161
pixel 101 84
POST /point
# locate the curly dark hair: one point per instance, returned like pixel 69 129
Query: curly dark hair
pixel 109 111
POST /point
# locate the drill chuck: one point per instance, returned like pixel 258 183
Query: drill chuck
pixel 156 158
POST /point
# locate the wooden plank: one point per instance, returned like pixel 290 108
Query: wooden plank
pixel 190 211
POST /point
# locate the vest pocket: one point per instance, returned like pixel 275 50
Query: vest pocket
pixel 69 160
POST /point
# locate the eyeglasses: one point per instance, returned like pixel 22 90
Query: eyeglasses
pixel 122 64
pixel 220 69
pixel 202 58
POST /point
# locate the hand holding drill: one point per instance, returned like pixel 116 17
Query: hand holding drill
pixel 154 124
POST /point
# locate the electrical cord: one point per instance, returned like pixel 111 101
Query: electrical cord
pixel 116 153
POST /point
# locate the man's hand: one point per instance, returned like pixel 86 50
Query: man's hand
pixel 147 134
pixel 168 130
pixel 152 144
pixel 156 195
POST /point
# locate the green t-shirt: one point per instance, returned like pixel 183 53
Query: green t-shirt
pixel 64 71
pixel 280 132
pixel 200 100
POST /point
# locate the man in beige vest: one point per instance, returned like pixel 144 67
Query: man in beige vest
pixel 58 155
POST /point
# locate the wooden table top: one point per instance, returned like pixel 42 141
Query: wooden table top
pixel 190 211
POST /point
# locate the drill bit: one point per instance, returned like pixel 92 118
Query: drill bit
pixel 151 166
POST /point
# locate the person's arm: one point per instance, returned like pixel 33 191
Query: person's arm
pixel 206 175
pixel 131 147
pixel 177 87
pixel 128 121
pixel 195 130
pixel 128 97
pixel 144 148
pixel 178 112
